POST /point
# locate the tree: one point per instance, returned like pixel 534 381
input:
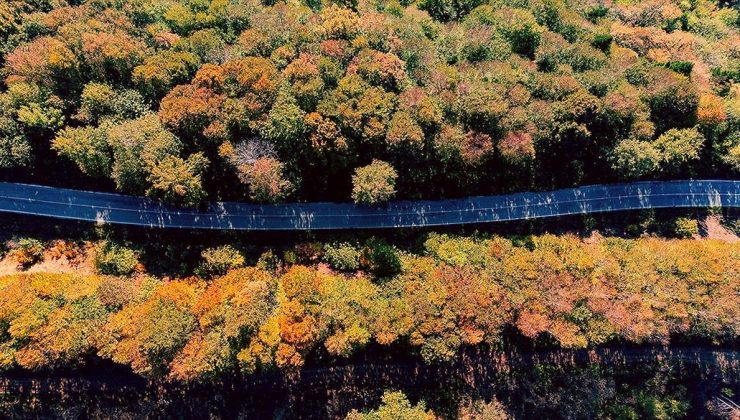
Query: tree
pixel 635 158
pixel 206 44
pixel 480 410
pixel 284 125
pixel 385 70
pixel 374 183
pixel 162 71
pixel 265 179
pixel 178 181
pixel 149 332
pixel 100 101
pixel 521 29
pixel 394 406
pixel 49 320
pixel 217 261
pixel 15 149
pixel 110 55
pixel 229 311
pixel 114 259
pixel 710 111
pixel 87 147
pixel 189 109
pixel 673 100
pixel 403 131
pixel 306 82
pixel 361 111
pixel 679 147
pixel 138 146
pixel 732 157
pixel 46 61
pixel 28 251
pixel 342 256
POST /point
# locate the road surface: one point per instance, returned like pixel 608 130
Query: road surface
pixel 127 210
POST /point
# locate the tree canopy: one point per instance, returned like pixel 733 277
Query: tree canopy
pixel 458 292
pixel 460 97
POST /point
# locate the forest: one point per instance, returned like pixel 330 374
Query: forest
pixel 460 292
pixel 624 315
pixel 368 100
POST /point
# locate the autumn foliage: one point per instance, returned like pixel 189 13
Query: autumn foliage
pixel 459 97
pixel 460 292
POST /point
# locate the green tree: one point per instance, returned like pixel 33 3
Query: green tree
pixel 521 29
pixel 447 10
pixel 374 183
pixel 207 44
pixel 217 261
pixel 678 147
pixel 87 147
pixel 100 101
pixel 138 146
pixel 284 123
pixel 114 259
pixel 635 158
pixel 178 181
pixel 342 256
pixel 15 149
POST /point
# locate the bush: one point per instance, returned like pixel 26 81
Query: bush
pixel 268 261
pixel 602 42
pixel 683 67
pixel 69 250
pixel 114 259
pixel 685 227
pixel 28 251
pixel 447 10
pixel 520 28
pixel 217 261
pixel 597 12
pixel 342 256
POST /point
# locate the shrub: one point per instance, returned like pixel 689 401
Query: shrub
pixel 374 183
pixel 28 251
pixel 217 261
pixel 602 42
pixel 69 250
pixel 685 227
pixel 268 261
pixel 520 28
pixel 114 259
pixel 447 10
pixel 597 12
pixel 342 256
pixel 683 67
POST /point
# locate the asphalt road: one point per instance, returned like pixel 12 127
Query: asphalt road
pixel 120 209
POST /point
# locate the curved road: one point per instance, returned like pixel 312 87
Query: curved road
pixel 139 211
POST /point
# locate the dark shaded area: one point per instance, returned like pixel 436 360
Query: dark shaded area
pixel 544 384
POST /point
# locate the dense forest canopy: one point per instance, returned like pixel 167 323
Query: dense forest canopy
pixel 460 291
pixel 224 99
